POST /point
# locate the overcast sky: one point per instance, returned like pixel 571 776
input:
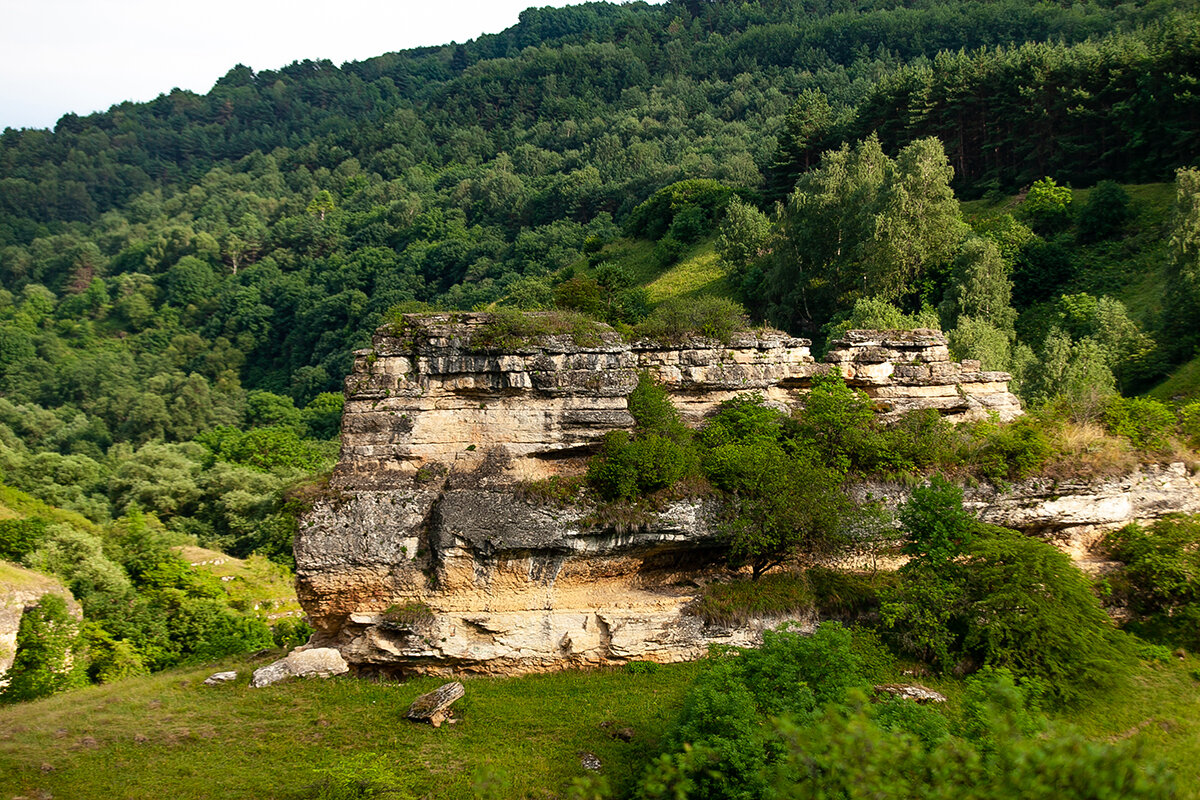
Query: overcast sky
pixel 85 55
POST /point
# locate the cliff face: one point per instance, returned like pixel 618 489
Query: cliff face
pixel 429 551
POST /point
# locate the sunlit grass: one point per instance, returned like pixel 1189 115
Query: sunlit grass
pixel 169 736
pixel 698 272
pixel 1182 385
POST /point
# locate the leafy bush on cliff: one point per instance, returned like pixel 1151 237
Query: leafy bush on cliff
pixel 50 656
pixel 973 595
pixel 678 318
pixel 1159 578
pixel 658 454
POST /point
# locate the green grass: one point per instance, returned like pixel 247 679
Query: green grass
pixel 252 584
pixel 636 256
pixel 15 578
pixel 699 272
pixel 14 504
pixel 1183 384
pixel 169 736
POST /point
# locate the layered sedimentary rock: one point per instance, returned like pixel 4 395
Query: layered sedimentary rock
pixel 1072 514
pixel 906 371
pixel 432 551
pixel 430 393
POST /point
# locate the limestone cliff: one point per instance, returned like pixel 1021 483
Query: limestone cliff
pixel 427 551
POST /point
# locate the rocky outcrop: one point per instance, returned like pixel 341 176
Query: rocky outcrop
pixel 19 589
pixel 430 551
pixel 1073 514
pixel 435 391
pixel 906 371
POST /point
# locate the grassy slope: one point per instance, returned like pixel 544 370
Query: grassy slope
pixel 15 504
pixel 697 273
pixel 1182 385
pixel 254 583
pixel 16 578
pixel 169 736
pixel 1130 268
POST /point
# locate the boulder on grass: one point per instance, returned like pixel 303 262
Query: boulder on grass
pixel 218 678
pixel 319 662
pixel 434 707
pixel 911 691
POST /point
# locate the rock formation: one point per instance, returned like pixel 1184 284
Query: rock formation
pixel 430 551
pixel 21 588
pixel 906 371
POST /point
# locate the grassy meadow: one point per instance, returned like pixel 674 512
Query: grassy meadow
pixel 169 736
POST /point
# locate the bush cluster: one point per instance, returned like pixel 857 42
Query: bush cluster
pixel 144 607
pixel 974 595
pixel 1159 579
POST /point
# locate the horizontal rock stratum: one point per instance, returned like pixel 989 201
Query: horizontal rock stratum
pixel 428 552
pixel 442 389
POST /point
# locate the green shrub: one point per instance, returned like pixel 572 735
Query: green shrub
pixel 927 724
pixel 1032 611
pixel 781 503
pixel 1189 424
pixel 509 329
pixel 668 251
pixel 977 594
pixel 629 467
pixel 582 294
pixel 653 412
pixel 678 318
pixel 111 659
pixel 872 313
pixel 291 632
pixel 937 528
pixel 1010 452
pixel 1145 422
pixel 1159 579
pixel 915 441
pixel 840 422
pixel 745 419
pixel 19 537
pixel 690 224
pixel 1104 213
pixel 49 656
pixel 702 202
pixel 997 706
pixel 720 746
pixel 847 754
pixel 1047 206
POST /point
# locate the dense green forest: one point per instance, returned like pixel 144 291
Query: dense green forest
pixel 184 280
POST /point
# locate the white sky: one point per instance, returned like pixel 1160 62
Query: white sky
pixel 85 55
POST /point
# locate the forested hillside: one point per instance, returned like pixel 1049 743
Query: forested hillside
pixel 184 280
